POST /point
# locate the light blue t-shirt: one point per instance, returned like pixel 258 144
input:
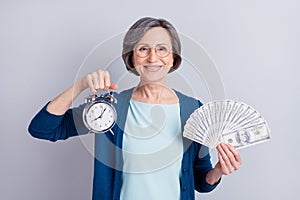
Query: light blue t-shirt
pixel 152 152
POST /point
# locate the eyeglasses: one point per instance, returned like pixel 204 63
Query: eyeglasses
pixel 161 50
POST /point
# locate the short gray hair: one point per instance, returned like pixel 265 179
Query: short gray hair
pixel 137 31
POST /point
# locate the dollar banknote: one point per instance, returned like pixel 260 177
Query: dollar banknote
pixel 226 121
pixel 247 136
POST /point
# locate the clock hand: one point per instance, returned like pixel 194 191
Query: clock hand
pixel 102 112
pixel 100 116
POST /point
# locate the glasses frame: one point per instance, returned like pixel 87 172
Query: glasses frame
pixel 155 48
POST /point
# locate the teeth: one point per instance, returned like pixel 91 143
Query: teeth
pixel 153 68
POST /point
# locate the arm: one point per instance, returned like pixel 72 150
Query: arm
pixel 202 166
pixel 55 120
pixel 98 80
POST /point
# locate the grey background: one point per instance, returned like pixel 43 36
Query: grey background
pixel 255 45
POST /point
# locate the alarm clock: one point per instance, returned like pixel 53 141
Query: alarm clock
pixel 99 114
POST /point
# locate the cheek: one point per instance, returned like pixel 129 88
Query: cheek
pixel 169 61
pixel 137 60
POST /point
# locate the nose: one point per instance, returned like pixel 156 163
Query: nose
pixel 152 57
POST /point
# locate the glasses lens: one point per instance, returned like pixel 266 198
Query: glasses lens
pixel 161 50
pixel 142 51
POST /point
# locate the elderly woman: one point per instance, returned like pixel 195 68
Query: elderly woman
pixel 141 161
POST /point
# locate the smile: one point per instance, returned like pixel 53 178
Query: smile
pixel 153 68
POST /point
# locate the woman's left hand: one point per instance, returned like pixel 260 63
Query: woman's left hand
pixel 229 161
pixel 229 158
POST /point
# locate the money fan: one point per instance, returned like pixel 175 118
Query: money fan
pixel 226 121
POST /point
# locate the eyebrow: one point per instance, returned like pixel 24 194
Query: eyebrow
pixel 149 45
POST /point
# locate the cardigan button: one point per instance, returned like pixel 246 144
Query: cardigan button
pixel 185 170
pixel 185 189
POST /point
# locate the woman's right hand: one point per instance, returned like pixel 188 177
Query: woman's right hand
pixel 98 80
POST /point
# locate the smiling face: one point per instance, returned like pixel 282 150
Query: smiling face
pixel 152 56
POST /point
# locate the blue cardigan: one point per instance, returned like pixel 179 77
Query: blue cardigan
pixel 108 159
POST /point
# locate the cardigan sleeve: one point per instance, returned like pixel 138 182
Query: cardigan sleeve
pixel 45 125
pixel 202 165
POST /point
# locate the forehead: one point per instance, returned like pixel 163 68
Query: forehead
pixel 156 35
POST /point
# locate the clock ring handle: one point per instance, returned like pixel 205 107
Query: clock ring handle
pixel 109 95
pixel 92 97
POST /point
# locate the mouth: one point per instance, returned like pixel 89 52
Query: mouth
pixel 153 68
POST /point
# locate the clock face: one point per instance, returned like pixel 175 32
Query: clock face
pixel 100 116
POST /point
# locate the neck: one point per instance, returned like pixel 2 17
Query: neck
pixel 154 93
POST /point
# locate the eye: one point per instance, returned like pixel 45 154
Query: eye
pixel 143 48
pixel 162 48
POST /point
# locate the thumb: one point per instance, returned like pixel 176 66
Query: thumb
pixel 113 86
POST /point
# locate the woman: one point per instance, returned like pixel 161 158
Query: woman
pixel 170 167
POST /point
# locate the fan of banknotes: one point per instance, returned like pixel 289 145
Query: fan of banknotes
pixel 226 121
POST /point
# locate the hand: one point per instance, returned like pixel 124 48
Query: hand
pixel 229 161
pixel 229 158
pixel 98 80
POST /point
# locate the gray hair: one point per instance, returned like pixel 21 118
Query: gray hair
pixel 137 31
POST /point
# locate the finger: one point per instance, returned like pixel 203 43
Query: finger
pixel 223 165
pixel 95 80
pixel 108 84
pixel 89 80
pixel 113 86
pixel 101 79
pixel 226 156
pixel 235 153
pixel 106 79
pixel 234 163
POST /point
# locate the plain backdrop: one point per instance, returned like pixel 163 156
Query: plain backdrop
pixel 254 44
